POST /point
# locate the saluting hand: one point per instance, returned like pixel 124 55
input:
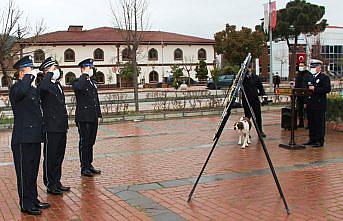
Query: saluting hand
pixel 33 72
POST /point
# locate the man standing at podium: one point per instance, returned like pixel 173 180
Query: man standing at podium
pixel 316 106
pixel 303 77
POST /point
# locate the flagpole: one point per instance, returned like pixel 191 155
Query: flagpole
pixel 270 49
pixel 162 44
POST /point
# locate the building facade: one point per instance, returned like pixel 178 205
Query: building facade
pixel 157 53
pixel 326 46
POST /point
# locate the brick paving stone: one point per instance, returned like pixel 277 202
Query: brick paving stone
pixel 159 160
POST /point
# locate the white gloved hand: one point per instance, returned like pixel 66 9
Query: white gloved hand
pixel 34 72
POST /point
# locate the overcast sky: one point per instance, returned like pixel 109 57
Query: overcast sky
pixel 200 18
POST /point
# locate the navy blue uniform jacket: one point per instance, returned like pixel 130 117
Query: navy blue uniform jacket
pixel 317 100
pixel 25 104
pixel 55 116
pixel 87 100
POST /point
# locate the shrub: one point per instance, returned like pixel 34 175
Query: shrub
pixel 335 108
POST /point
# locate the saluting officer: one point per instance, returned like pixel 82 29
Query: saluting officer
pixel 27 136
pixel 55 118
pixel 87 115
pixel 316 106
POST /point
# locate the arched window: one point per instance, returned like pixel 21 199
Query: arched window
pixel 178 54
pixel 125 54
pixel 98 54
pixel 70 76
pixel 202 54
pixel 153 77
pixel 153 55
pixel 69 55
pixel 100 77
pixel 39 56
pixel 5 81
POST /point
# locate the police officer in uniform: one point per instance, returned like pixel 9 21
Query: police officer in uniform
pixel 55 119
pixel 253 88
pixel 87 115
pixel 304 76
pixel 316 106
pixel 27 136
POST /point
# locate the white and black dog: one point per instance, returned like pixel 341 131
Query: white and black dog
pixel 244 127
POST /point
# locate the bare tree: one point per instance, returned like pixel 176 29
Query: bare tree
pixel 130 16
pixel 188 67
pixel 14 29
pixel 282 57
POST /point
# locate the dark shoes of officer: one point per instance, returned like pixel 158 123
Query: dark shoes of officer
pixel 33 211
pixel 36 210
pixel 41 205
pixel 95 171
pixel 90 172
pixel 301 126
pixel 316 145
pixel 54 191
pixel 309 143
pixel 64 188
pixel 87 173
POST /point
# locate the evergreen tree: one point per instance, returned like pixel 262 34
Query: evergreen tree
pixel 299 17
pixel 201 70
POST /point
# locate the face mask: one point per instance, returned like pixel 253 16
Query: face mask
pixel 302 69
pixel 56 75
pixel 313 71
pixel 90 73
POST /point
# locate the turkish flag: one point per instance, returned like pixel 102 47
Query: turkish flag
pixel 301 57
pixel 273 15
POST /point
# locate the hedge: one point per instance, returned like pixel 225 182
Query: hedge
pixel 335 108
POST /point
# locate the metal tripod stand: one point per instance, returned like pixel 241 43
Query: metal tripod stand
pixel 225 117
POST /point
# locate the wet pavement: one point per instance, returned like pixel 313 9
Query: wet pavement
pixel 148 169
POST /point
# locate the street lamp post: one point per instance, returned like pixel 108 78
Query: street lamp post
pixel 271 49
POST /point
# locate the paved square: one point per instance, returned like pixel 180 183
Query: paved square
pixel 149 168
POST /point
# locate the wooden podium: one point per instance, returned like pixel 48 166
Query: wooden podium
pixel 293 93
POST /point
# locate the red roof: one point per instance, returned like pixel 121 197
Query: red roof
pixel 108 35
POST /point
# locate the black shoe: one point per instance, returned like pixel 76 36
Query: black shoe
pixel 41 205
pixel 309 143
pixel 64 188
pixel 86 173
pixel 33 211
pixel 316 145
pixel 54 191
pixel 301 126
pixel 95 171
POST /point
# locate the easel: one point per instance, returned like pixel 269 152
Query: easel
pixel 229 101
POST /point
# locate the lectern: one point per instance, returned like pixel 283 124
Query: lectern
pixel 293 93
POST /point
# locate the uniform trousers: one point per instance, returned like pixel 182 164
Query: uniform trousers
pixel 316 125
pixel 54 150
pixel 26 161
pixel 87 133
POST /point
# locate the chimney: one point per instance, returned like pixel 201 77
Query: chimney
pixel 76 28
